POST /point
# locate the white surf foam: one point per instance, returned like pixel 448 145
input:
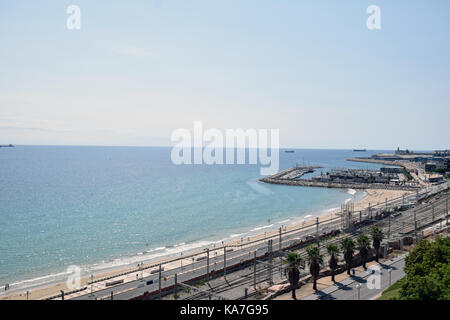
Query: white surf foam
pixel 261 228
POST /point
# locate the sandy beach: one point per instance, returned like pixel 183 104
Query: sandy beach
pixel 373 197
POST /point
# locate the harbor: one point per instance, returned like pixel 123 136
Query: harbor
pixel 385 178
pixel 406 171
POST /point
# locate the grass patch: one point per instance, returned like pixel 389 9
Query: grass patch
pixel 391 292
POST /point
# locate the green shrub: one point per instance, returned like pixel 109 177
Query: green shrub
pixel 428 271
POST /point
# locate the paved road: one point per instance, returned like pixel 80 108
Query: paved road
pixel 347 289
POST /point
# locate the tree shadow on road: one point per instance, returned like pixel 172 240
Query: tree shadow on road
pixel 324 296
pixel 341 286
pixel 385 266
pixel 359 279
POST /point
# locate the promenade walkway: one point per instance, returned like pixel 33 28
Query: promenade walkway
pixel 389 272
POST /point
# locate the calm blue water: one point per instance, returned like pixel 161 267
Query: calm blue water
pixel 100 207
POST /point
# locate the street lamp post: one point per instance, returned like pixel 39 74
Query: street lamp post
pixel 207 263
pixel 389 230
pixel 415 226
pixel 224 261
pixel 358 287
pixel 446 213
pixel 159 281
pixel 92 284
pixel 254 270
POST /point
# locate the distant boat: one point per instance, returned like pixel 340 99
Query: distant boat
pixel 289 151
pixel 359 150
pixel 6 146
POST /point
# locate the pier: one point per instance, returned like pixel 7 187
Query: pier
pixel 377 161
pixel 294 173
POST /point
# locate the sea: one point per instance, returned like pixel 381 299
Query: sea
pixel 103 208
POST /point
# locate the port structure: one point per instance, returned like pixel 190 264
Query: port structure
pixel 385 178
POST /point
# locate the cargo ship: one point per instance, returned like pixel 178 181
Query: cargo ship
pixel 359 150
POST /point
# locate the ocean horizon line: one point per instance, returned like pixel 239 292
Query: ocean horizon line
pixel 171 146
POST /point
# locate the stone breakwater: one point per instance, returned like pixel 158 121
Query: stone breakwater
pixel 378 161
pixel 310 183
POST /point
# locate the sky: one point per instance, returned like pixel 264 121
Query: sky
pixel 136 71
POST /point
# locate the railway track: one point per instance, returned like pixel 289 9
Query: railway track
pixel 395 227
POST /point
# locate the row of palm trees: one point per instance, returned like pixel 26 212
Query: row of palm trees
pixel 315 259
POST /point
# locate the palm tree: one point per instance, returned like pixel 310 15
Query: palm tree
pixel 348 248
pixel 363 245
pixel 377 237
pixel 333 251
pixel 315 261
pixel 295 262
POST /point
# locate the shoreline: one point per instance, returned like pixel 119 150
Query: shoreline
pixel 41 291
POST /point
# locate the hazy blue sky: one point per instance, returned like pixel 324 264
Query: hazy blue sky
pixel 137 70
